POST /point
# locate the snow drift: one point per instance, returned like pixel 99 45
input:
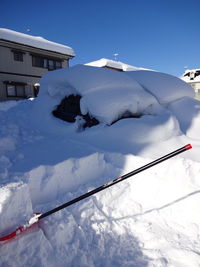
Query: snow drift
pixel 166 88
pixel 149 220
pixel 107 94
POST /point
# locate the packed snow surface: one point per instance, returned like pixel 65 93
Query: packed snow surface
pixel 166 88
pixel 151 219
pixel 35 41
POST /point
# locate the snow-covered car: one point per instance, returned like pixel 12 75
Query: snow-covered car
pixel 92 95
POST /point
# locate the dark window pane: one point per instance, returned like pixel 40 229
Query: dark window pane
pixel 15 90
pixel 51 65
pixel 38 62
pixel 11 90
pixel 45 63
pixel 58 65
pixel 18 56
pixel 20 90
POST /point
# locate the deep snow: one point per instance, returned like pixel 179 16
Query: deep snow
pixel 151 219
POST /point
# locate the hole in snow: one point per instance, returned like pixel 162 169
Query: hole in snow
pixel 69 110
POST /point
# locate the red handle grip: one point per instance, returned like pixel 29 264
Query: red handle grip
pixel 188 146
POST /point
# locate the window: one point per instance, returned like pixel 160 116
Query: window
pixel 10 90
pixel 20 90
pixel 15 89
pixel 46 63
pixel 51 65
pixel 38 62
pixel 58 65
pixel 18 55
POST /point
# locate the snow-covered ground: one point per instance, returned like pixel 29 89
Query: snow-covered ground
pixel 151 219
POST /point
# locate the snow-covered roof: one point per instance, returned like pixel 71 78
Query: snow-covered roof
pixel 191 75
pixel 35 41
pixel 104 62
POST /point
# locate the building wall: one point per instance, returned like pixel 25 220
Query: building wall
pixel 196 86
pixel 23 73
pixel 27 80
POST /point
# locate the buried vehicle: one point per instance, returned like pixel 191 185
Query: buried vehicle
pixel 91 95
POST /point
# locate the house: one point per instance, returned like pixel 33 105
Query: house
pixel 192 77
pixel 113 64
pixel 24 59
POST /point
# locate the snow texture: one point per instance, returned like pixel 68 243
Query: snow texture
pixel 35 41
pixel 151 219
pixel 166 88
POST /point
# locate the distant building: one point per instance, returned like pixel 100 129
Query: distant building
pixel 192 77
pixel 24 59
pixel 112 64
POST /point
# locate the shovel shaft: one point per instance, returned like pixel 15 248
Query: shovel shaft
pixel 116 180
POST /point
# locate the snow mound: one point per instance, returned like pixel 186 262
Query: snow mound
pixel 146 129
pixel 15 205
pixel 164 87
pixel 48 182
pixel 115 91
pixel 107 94
pixel 189 118
pixel 5 106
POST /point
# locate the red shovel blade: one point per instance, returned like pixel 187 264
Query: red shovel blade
pixel 32 222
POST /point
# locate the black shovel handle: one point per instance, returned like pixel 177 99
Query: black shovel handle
pixel 116 180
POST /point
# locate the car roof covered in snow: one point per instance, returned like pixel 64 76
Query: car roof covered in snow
pixel 107 94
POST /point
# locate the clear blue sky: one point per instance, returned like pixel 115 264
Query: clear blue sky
pixel 157 34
